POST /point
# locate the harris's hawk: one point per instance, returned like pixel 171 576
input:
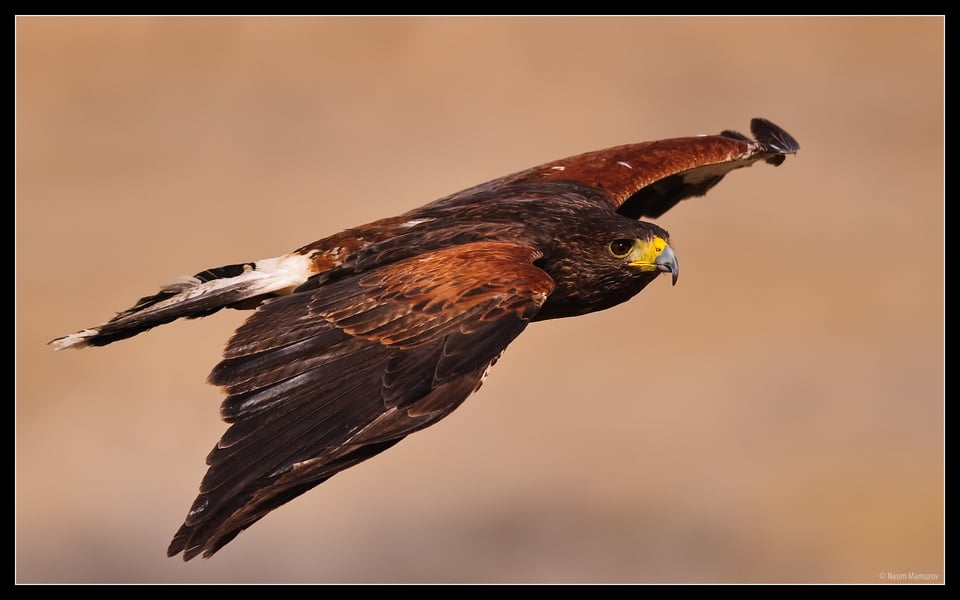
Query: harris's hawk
pixel 361 338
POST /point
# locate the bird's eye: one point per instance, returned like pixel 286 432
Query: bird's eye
pixel 621 248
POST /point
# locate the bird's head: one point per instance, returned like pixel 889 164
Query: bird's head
pixel 606 264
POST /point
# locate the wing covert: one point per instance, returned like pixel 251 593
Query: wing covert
pixel 649 178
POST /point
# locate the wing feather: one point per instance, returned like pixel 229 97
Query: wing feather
pixel 327 377
pixel 649 178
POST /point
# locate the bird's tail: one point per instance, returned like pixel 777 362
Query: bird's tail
pixel 242 285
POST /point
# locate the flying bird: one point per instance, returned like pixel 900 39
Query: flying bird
pixel 366 336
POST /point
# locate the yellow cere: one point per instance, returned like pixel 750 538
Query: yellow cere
pixel 644 254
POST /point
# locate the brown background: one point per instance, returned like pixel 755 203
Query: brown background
pixel 776 417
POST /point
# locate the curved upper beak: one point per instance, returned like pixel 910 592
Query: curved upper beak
pixel 667 263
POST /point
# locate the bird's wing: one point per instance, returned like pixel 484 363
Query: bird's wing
pixel 638 180
pixel 649 178
pixel 329 376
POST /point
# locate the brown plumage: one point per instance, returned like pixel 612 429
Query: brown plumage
pixel 368 335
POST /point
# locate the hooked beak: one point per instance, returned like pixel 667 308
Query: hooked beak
pixel 667 263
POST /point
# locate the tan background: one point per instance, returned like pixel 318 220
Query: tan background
pixel 776 417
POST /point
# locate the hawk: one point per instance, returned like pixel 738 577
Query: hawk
pixel 366 336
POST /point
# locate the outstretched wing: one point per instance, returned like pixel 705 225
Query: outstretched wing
pixel 638 180
pixel 334 374
pixel 649 178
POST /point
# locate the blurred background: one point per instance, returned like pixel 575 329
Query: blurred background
pixel 778 416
